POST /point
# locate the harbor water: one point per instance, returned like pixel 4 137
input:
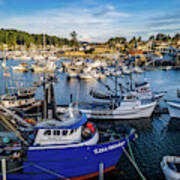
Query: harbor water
pixel 157 136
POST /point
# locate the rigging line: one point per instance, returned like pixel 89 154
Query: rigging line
pixel 13 128
pixel 134 164
pixel 17 169
pixel 49 171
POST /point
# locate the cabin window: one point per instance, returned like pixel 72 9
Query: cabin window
pixel 57 132
pixel 71 131
pixel 47 132
pixel 64 132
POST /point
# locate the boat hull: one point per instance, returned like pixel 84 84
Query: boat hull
pixel 169 173
pixel 17 102
pixel 174 109
pixel 142 111
pixel 73 162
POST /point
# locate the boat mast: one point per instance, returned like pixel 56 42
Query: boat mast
pixel 6 73
pixel 131 77
pixel 49 98
pixel 116 83
pixel 116 78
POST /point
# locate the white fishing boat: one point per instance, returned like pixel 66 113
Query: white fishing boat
pixel 94 74
pixel 23 67
pixel 166 68
pixel 138 70
pixel 52 58
pixel 174 108
pixel 37 68
pixel 15 101
pixel 4 66
pixel 73 71
pixel 86 76
pixel 38 58
pixel 126 70
pixel 22 98
pixel 93 64
pixel 24 57
pixel 48 66
pixel 87 69
pixel 78 62
pixel 144 91
pixel 26 91
pixel 128 108
pixel 170 167
pixel 178 93
pixel 141 89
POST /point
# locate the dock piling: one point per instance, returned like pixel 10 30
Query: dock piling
pixel 3 167
pixel 101 171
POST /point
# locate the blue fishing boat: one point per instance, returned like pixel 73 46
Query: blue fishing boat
pixel 66 161
pixel 63 146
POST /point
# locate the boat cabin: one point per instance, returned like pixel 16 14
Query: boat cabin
pixel 143 87
pixel 65 131
pixel 57 136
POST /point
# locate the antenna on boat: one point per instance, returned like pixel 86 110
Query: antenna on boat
pixel 77 95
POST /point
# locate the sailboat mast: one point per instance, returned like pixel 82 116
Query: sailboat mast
pixel 45 100
pixel 6 74
pixel 131 74
pixel 116 79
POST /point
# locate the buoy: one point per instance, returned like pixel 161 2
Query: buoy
pixel 91 127
pixel 31 121
pixel 5 140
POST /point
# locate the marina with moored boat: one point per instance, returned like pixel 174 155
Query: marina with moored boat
pixel 111 103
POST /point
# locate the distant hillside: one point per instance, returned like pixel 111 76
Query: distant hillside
pixel 13 37
pixel 159 37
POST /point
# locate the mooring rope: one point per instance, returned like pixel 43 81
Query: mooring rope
pixel 17 169
pixel 132 160
pixel 49 171
pixel 130 149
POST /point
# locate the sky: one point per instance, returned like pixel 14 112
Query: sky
pixel 93 20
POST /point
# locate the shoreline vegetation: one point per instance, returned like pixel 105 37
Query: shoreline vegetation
pixel 17 43
pixel 13 39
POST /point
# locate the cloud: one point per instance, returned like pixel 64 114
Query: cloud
pixel 168 22
pixel 167 16
pixel 165 23
pixel 93 22
pixel 85 38
pixel 62 21
pixel 109 11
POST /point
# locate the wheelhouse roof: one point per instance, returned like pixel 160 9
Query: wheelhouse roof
pixel 71 123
